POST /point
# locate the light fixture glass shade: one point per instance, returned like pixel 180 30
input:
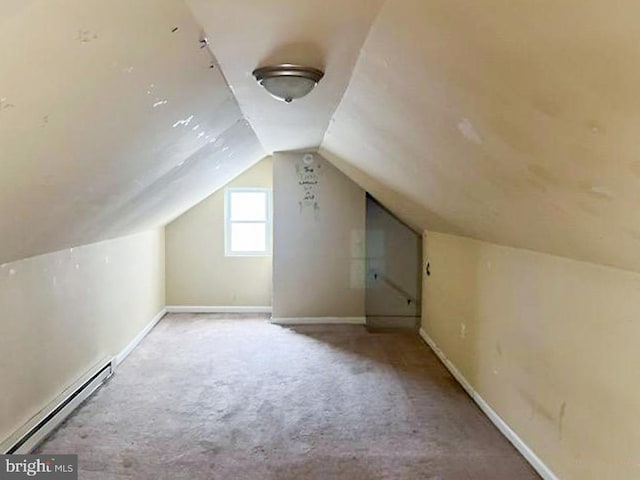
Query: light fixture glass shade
pixel 288 82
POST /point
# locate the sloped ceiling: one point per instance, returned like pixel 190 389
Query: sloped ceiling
pixel 328 34
pixel 512 122
pixel 111 121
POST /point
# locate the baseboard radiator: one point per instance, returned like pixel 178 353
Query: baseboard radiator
pixel 44 422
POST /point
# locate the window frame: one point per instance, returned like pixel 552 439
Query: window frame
pixel 228 222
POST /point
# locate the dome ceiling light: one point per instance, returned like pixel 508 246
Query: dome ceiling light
pixel 288 82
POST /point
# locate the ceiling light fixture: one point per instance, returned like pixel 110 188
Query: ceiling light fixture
pixel 288 82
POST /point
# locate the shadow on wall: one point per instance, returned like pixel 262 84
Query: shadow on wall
pixel 393 270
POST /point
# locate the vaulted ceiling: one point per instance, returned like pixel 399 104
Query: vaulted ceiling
pixel 245 34
pixel 508 121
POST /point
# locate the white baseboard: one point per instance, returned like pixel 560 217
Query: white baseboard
pixel 36 429
pixel 319 321
pixel 27 437
pixel 214 309
pixel 138 338
pixel 535 461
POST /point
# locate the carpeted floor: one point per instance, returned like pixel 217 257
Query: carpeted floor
pixel 212 397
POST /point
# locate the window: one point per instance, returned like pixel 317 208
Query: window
pixel 247 221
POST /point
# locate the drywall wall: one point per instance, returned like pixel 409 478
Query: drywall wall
pixel 65 311
pixel 318 239
pixel 550 343
pixel 112 121
pixel 198 272
pixel 489 112
pixel 394 256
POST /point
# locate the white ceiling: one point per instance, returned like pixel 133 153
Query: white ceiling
pixel 511 122
pixel 110 123
pixel 245 34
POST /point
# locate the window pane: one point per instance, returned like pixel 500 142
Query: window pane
pixel 248 237
pixel 248 206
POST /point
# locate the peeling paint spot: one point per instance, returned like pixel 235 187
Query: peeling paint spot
pixel 77 266
pixel 469 132
pixel 128 69
pixel 184 122
pixel 12 271
pixel 463 330
pixel 159 103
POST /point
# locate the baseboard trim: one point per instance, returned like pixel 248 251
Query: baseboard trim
pixel 319 321
pixel 535 461
pixel 214 309
pixel 27 437
pixel 389 321
pixel 138 338
pixel 38 427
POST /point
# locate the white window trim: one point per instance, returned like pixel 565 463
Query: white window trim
pixel 227 223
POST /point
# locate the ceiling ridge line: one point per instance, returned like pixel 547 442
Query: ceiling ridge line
pixel 353 69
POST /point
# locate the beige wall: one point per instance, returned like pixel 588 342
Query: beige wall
pixel 550 343
pixel 198 273
pixel 63 312
pixel 318 248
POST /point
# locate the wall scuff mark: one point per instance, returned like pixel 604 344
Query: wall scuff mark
pixel 86 36
pixel 4 104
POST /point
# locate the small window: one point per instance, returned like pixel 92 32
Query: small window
pixel 247 222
